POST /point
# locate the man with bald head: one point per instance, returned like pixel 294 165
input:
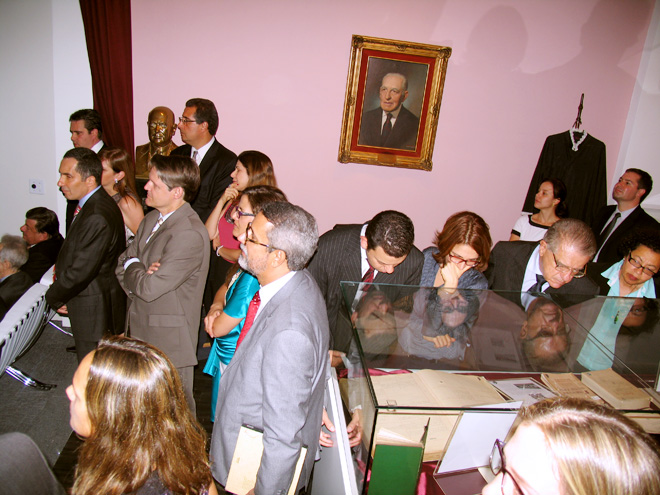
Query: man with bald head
pixel 162 128
pixel 391 125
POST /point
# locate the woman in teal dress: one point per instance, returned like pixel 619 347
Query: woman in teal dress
pixel 227 314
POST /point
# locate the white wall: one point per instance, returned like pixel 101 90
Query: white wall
pixel 641 143
pixel 45 77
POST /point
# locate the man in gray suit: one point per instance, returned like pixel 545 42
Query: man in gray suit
pixel 164 269
pixel 276 380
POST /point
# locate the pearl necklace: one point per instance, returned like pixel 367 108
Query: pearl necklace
pixel 575 145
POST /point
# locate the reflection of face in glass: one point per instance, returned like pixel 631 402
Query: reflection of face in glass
pixel 161 127
pixel 637 314
pixel 544 333
pixel 454 309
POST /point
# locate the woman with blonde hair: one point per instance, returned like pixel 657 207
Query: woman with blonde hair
pixel 575 447
pixel 127 402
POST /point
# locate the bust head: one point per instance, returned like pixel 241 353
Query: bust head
pixel 161 126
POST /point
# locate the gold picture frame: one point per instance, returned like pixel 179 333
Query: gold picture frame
pixel 399 71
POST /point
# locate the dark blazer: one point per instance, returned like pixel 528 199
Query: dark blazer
pixel 72 203
pixel 41 257
pixel 403 135
pixel 638 219
pixel 215 170
pixel 338 259
pixel 11 290
pixel 165 307
pixel 276 382
pixel 506 271
pixel 85 270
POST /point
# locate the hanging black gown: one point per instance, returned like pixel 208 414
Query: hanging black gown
pixel 583 171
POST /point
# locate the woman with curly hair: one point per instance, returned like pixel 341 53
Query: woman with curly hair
pixel 140 436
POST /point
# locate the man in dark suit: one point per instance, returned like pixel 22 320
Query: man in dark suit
pixel 382 249
pixel 556 265
pixel 198 126
pixel 276 380
pixel 86 132
pixel 41 231
pixel 391 125
pixel 13 282
pixel 614 223
pixel 164 269
pixel 86 287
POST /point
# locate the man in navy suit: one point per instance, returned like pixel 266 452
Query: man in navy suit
pixel 614 223
pixel 391 125
pixel 85 287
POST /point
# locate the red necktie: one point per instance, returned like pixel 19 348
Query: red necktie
pixel 367 279
pixel 249 318
pixel 76 211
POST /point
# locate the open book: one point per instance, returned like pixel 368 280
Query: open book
pixel 430 388
pixel 247 459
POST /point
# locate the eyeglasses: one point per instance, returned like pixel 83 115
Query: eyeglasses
pixel 498 465
pixel 456 259
pixel 576 273
pixel 248 237
pixel 186 120
pixel 637 264
pixel 241 213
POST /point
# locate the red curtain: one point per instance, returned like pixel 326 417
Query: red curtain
pixel 108 34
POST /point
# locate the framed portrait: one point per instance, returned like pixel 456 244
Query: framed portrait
pixel 393 94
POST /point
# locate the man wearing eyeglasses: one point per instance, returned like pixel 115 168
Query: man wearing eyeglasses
pixel 198 126
pixel 276 380
pixel 614 223
pixel 164 269
pixel 556 265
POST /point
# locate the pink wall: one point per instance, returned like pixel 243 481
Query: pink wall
pixel 277 73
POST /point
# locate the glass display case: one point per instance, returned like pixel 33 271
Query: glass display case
pixel 420 354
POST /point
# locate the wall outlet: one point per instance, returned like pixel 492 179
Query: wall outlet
pixel 36 186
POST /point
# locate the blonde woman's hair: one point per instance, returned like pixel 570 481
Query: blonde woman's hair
pixel 141 424
pixel 597 449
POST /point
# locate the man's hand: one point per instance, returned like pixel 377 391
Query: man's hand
pixel 63 310
pixel 336 358
pixel 354 429
pixel 324 439
pixel 153 268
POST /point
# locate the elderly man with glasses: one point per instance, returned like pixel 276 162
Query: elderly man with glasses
pixel 555 266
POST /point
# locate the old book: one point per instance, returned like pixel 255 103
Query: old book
pixel 408 423
pixel 568 385
pixel 246 461
pixel 431 388
pixel 615 390
pixel 396 465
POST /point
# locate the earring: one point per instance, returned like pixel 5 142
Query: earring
pixel 116 181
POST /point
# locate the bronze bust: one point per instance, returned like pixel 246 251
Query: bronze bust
pixel 161 131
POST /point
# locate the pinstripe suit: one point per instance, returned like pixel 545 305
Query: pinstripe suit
pixel 337 259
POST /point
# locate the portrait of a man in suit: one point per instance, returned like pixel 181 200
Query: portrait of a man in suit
pixel 391 125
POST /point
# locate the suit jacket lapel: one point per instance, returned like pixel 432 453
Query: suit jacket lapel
pixel 209 158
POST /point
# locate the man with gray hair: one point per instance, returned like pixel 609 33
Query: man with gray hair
pixel 13 282
pixel 391 125
pixel 275 382
pixel 556 265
